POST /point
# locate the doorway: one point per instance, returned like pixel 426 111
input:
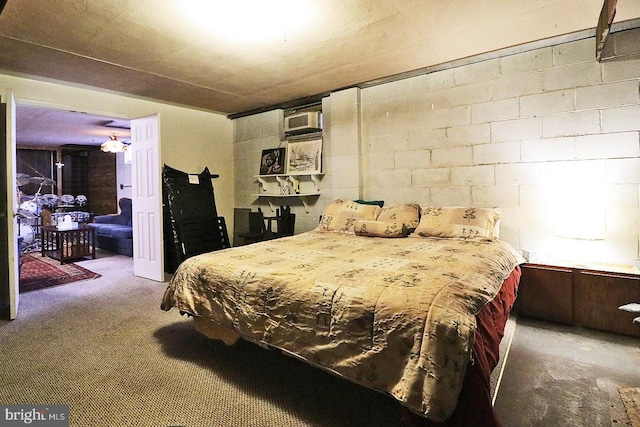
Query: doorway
pixel 61 168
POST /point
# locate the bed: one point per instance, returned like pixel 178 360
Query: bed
pixel 405 300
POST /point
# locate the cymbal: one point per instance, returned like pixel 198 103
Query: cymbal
pixel 23 179
pixel 27 214
pixel 42 180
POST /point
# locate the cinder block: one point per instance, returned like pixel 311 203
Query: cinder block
pixel 627 42
pixel 502 196
pixel 617 222
pixel 452 156
pixel 525 62
pixel 621 119
pixel 577 173
pixel 521 174
pixel 516 130
pixel 414 159
pixel 398 196
pixel 473 175
pixel 434 177
pixel 608 95
pixel 503 152
pixel 344 114
pixel 623 171
pixel 541 150
pixel 451 196
pixel 343 163
pixel 374 161
pixel 443 79
pixel 574 52
pixel 345 179
pixel 383 108
pixel 534 195
pixel 613 71
pixel 470 94
pixel 608 145
pixel 469 134
pixel 478 72
pixel 346 140
pixel 445 118
pixel 621 196
pixel 503 109
pixel 380 143
pixel 349 96
pixel 572 76
pixel 547 103
pixel 425 137
pixel 387 178
pixel 518 217
pixel 375 93
pixel 572 123
pixel 517 85
pixel 435 100
pixel 347 193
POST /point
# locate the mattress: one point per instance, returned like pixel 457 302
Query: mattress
pixel 394 315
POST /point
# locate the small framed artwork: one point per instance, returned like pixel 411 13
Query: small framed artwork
pixel 272 161
pixel 304 156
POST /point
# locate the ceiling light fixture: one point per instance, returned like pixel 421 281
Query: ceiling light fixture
pixel 113 145
pixel 250 20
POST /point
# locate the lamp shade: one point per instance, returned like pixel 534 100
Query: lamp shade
pixel 113 145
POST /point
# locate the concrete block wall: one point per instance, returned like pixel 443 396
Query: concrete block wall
pixel 550 136
pixel 255 133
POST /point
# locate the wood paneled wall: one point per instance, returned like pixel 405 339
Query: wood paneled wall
pixel 102 187
pixel 86 171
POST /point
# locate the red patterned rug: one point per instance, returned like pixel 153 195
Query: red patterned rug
pixel 38 272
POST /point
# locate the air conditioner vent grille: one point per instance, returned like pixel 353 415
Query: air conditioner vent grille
pixel 297 121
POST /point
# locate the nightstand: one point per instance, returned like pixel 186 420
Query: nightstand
pixel 586 296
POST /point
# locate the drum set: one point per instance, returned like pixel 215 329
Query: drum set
pixel 40 209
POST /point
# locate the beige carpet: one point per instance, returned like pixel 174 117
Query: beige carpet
pixel 631 399
pixel 109 352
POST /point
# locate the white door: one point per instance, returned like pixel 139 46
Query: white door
pixel 148 253
pixel 9 276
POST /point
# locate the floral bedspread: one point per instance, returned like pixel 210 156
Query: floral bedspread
pixel 396 315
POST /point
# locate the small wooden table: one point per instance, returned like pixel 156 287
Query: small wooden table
pixel 67 245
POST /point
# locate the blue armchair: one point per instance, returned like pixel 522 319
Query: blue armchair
pixel 114 232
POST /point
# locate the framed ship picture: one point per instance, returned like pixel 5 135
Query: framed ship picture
pixel 304 156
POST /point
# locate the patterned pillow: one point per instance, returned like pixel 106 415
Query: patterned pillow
pixel 379 229
pixel 407 215
pixel 341 215
pixel 480 224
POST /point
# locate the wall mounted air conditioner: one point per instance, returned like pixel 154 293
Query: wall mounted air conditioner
pixel 296 124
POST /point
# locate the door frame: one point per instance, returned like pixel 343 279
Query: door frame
pixel 9 220
pixel 11 173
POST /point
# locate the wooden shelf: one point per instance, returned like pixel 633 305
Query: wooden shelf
pixel 272 185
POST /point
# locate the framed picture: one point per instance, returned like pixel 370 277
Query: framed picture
pixel 272 161
pixel 304 156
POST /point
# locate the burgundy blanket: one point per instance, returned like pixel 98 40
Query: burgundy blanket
pixel 475 406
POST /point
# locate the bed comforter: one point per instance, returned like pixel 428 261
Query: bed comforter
pixel 395 315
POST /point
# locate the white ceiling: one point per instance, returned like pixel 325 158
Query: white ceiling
pixel 154 49
pixel 40 127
